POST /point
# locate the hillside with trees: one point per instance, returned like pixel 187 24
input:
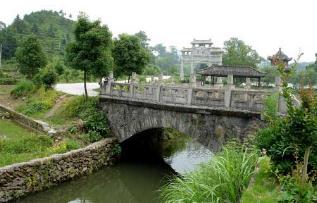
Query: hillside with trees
pixel 53 30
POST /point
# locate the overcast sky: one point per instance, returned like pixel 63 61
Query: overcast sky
pixel 266 25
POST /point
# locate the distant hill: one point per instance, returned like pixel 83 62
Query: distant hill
pixel 302 66
pixel 52 28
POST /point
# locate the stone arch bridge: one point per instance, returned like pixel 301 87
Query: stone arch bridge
pixel 209 115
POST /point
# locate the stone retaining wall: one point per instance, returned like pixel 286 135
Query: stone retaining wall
pixel 20 179
pixel 24 120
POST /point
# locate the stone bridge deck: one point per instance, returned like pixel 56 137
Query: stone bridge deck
pixel 224 98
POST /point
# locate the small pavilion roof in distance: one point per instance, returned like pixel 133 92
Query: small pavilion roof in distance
pixel 186 49
pixel 236 71
pixel 279 56
pixel 195 41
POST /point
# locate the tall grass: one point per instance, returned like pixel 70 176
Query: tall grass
pixel 18 144
pixel 220 180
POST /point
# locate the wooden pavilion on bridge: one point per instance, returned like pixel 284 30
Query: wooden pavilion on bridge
pixel 231 72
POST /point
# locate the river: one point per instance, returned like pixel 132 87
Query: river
pixel 129 181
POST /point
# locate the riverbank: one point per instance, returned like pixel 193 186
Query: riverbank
pixel 17 180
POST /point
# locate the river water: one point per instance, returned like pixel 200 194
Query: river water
pixel 129 181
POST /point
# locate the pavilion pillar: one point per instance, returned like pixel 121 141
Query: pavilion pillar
pixel 228 91
pixel 193 80
pixel 109 84
pixel 219 82
pixel 248 83
pixel 192 66
pixel 282 108
pixel 230 79
pixel 181 71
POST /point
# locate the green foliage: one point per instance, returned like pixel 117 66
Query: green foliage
pixel 9 75
pixel 48 77
pixel 305 77
pixel 91 50
pixel 30 57
pixel 59 67
pixel 270 112
pixel 236 52
pixel 116 150
pixel 151 70
pixel 223 179
pixel 95 122
pixel 270 74
pixel 263 187
pixel 167 61
pixel 129 55
pixel 23 88
pixel 39 102
pixel 26 144
pixel 295 190
pixel 18 144
pixel 51 28
pixel 290 139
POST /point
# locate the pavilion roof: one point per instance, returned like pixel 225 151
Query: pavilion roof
pixel 237 71
pixel 280 56
pixel 196 41
pixel 186 49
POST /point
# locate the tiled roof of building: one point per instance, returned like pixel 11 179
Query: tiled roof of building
pixel 238 71
pixel 196 41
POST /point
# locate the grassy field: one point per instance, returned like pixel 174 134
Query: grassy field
pixel 18 144
pixel 264 187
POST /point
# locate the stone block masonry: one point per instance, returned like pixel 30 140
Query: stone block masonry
pixel 25 121
pixel 20 179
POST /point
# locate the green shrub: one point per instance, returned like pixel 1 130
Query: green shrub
pixel 270 112
pixel 35 107
pixel 48 77
pixel 223 179
pixel 95 122
pixel 23 88
pixel 8 81
pixel 59 67
pixel 39 102
pixel 287 139
pixel 293 189
pixel 74 106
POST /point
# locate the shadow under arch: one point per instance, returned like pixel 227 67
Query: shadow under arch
pixel 178 150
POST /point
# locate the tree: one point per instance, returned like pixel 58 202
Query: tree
pixel 19 25
pixel 2 25
pixel 144 38
pixel 30 57
pixel 9 44
pixel 91 51
pixel 236 52
pixel 129 55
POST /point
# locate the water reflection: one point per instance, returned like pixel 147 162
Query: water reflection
pixel 139 175
pixel 189 158
pixel 125 182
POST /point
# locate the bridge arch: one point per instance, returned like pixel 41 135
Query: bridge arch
pixel 209 127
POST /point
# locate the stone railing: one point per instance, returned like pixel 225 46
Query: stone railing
pixel 222 97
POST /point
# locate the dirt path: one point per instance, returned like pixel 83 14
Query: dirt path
pixel 57 105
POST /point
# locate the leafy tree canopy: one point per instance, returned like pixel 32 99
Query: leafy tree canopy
pixel 30 57
pixel 236 52
pixel 91 51
pixel 129 55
